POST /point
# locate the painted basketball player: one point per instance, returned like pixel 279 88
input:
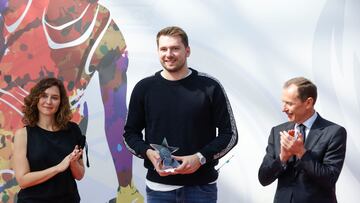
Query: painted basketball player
pixel 70 40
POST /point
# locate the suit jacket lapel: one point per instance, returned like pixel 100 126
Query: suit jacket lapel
pixel 290 126
pixel 314 134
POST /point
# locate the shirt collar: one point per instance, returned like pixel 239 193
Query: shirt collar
pixel 310 121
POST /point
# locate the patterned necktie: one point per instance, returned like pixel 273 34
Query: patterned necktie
pixel 302 128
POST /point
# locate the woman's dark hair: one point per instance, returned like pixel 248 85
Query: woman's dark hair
pixel 30 109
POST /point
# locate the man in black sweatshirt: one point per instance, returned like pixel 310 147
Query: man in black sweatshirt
pixel 191 110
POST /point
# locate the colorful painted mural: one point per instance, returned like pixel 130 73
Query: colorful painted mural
pixel 251 46
pixel 70 40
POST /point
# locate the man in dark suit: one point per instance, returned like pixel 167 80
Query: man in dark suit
pixel 307 153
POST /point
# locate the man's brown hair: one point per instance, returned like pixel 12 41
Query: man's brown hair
pixel 173 31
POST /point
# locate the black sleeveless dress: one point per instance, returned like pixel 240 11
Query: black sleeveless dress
pixel 46 149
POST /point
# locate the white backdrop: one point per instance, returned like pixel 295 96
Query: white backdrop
pixel 252 47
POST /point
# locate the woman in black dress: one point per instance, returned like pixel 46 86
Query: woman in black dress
pixel 48 150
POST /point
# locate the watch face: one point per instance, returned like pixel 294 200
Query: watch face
pixel 202 160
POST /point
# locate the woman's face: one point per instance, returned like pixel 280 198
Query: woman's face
pixel 49 101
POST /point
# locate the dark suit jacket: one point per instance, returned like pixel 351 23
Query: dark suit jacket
pixel 313 177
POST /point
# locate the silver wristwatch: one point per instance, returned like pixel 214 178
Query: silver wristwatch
pixel 202 159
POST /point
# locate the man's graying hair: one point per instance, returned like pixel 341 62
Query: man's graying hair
pixel 305 87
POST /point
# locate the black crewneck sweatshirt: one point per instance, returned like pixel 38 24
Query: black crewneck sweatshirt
pixel 187 113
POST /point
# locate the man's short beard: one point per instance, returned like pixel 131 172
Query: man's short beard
pixel 174 70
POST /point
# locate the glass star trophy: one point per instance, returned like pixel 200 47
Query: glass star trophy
pixel 168 163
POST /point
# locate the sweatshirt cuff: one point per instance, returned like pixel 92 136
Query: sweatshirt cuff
pixel 207 155
pixel 143 151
